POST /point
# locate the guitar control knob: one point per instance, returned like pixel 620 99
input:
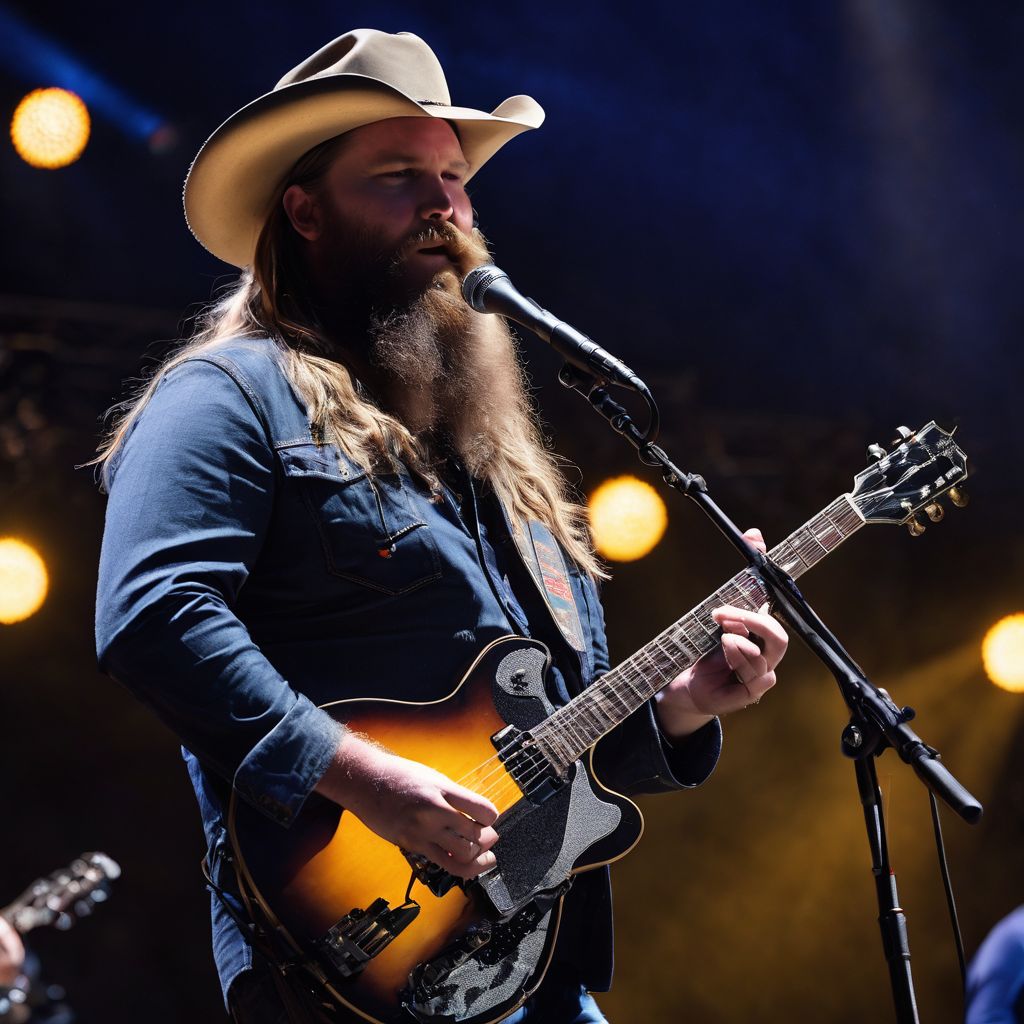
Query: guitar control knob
pixel 959 497
pixel 916 527
pixel 875 453
pixel 935 512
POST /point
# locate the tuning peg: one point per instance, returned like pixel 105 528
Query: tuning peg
pixel 916 527
pixel 959 497
pixel 875 453
pixel 935 512
pixel 904 433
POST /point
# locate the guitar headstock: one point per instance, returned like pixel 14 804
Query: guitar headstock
pixel 62 897
pixel 923 465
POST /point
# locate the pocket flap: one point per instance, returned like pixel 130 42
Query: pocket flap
pixel 327 462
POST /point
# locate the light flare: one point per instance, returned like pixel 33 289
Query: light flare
pixel 628 518
pixel 50 128
pixel 1002 652
pixel 23 581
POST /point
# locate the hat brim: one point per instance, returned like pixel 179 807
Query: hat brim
pixel 232 181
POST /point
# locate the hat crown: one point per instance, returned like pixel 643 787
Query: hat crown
pixel 401 60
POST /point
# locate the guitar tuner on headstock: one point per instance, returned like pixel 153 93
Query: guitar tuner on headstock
pixel 916 527
pixel 903 434
pixel 935 512
pixel 959 497
pixel 875 453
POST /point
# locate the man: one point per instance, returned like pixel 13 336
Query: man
pixel 995 976
pixel 326 493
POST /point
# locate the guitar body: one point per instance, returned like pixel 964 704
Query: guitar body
pixel 476 950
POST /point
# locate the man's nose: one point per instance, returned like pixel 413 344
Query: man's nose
pixel 436 202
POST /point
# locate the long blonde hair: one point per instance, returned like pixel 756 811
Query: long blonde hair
pixel 270 302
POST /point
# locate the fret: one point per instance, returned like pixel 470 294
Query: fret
pixel 818 536
pixel 687 651
pixel 785 557
pixel 577 726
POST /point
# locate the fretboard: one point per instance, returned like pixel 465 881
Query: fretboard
pixel 578 725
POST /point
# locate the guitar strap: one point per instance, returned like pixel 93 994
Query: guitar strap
pixel 543 557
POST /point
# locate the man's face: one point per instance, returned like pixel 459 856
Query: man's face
pixel 392 180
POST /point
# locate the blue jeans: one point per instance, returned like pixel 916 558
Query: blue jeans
pixel 566 1005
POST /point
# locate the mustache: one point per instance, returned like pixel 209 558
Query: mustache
pixel 466 252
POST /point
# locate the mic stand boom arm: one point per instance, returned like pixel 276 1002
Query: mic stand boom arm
pixel 875 721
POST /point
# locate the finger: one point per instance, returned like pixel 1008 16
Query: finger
pixel 746 664
pixel 731 619
pixel 468 837
pixel 741 651
pixel 758 687
pixel 755 537
pixel 442 858
pixel 469 803
pixel 465 828
pixel 460 848
pixel 486 838
pixel 768 630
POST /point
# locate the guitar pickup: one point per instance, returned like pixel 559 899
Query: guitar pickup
pixel 527 763
pixel 361 934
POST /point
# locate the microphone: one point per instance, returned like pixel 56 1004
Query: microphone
pixel 488 290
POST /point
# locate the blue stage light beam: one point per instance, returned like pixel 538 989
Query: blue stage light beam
pixel 27 52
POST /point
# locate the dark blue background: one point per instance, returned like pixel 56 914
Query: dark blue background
pixel 799 221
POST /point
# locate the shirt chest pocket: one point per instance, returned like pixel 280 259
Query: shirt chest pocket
pixel 369 530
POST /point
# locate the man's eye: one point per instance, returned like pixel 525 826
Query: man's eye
pixel 406 172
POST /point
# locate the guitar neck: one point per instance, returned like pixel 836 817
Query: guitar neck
pixel 578 725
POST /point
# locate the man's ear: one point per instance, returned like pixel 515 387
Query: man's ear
pixel 303 211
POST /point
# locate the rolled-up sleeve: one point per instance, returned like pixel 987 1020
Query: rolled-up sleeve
pixel 191 495
pixel 635 757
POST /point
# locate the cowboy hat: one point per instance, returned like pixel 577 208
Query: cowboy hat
pixel 360 77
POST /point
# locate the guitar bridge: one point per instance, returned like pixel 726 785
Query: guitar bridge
pixel 361 934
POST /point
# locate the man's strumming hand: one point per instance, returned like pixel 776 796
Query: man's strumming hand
pixel 413 806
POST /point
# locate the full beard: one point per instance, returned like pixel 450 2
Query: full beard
pixel 451 375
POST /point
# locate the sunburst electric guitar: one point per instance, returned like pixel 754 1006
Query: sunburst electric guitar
pixel 394 937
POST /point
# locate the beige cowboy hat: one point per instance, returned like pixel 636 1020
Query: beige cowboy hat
pixel 360 77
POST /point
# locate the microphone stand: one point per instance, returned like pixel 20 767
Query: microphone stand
pixel 875 721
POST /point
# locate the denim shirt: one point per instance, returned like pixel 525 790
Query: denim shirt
pixel 249 575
